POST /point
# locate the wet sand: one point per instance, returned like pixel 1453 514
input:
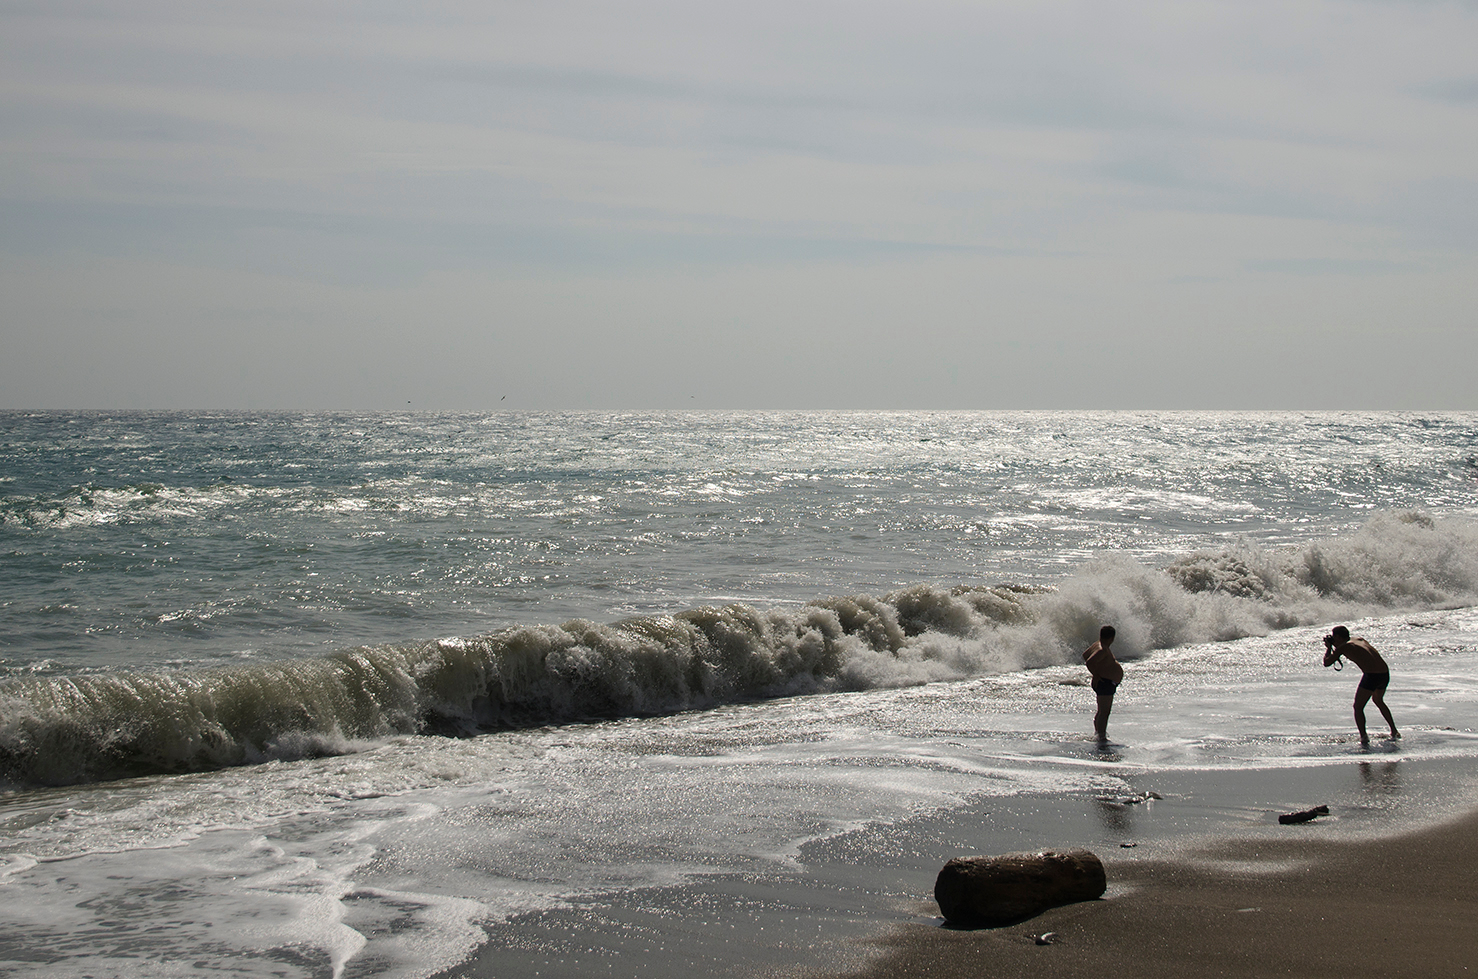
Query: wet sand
pixel 1403 906
pixel 1202 881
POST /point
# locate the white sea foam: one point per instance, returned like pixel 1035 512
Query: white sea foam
pixel 300 866
pixel 69 729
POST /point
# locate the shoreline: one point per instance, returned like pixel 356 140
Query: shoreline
pixel 1186 852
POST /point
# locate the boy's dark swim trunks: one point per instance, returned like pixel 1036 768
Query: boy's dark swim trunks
pixel 1375 681
pixel 1106 687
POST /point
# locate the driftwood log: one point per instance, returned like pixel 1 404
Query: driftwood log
pixel 983 892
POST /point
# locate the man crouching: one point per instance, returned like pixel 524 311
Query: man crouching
pixel 1375 675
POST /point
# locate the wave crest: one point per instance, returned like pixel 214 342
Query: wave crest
pixel 60 730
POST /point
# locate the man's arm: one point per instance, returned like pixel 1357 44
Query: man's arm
pixel 1101 663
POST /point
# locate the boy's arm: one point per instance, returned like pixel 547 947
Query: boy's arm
pixel 1101 663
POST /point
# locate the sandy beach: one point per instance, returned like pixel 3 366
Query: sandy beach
pixel 1404 906
pixel 1203 880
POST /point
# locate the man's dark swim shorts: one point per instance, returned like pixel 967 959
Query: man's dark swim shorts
pixel 1375 681
pixel 1103 686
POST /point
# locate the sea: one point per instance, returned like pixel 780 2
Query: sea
pixel 356 694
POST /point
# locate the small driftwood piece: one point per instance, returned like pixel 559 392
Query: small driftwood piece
pixel 1304 816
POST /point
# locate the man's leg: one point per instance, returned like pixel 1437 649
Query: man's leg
pixel 1100 720
pixel 1362 696
pixel 1380 703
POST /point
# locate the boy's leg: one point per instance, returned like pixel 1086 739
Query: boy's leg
pixel 1380 702
pixel 1362 696
pixel 1100 720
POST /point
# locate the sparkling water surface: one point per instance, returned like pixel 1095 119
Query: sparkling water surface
pixel 141 539
pixel 678 646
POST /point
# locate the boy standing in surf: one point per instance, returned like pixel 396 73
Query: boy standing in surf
pixel 1375 675
pixel 1107 675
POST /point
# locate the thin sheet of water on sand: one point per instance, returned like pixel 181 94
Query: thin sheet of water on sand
pixel 1200 752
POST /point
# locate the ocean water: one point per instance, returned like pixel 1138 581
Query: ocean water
pixel 347 694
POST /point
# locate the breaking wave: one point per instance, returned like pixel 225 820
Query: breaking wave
pixel 62 730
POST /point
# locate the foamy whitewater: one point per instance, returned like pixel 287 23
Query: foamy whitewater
pixel 341 694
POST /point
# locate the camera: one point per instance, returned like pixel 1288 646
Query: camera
pixel 1329 639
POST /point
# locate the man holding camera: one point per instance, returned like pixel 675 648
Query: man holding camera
pixel 1375 675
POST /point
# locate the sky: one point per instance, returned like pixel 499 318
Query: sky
pixel 931 204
